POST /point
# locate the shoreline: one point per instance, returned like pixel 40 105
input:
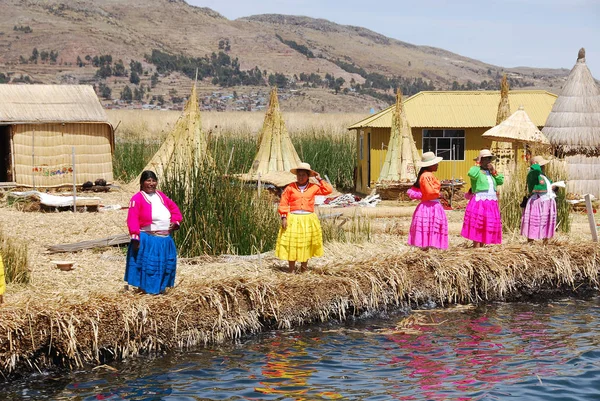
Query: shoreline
pixel 69 332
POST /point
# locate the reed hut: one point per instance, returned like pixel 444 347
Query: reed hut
pixel 448 123
pixel 399 169
pixel 276 154
pixel 186 146
pixel 53 135
pixel 573 128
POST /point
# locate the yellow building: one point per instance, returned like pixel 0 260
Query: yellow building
pixel 449 123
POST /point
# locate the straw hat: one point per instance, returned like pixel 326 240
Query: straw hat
pixel 538 160
pixel 485 153
pixel 429 159
pixel 304 166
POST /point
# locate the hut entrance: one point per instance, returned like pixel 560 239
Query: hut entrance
pixel 5 156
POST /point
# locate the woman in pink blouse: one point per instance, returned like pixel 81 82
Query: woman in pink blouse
pixel 152 256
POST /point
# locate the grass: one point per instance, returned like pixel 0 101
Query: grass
pixel 14 256
pixel 221 215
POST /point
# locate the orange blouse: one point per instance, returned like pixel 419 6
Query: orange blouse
pixel 430 186
pixel 292 199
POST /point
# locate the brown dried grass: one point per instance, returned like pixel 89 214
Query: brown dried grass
pixel 84 317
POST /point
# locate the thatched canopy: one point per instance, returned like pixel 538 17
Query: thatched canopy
pixel 517 128
pixel 402 155
pixel 276 154
pixel 573 125
pixel 186 146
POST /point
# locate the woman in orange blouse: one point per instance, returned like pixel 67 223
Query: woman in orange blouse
pixel 429 226
pixel 300 237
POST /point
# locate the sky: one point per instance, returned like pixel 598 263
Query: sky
pixel 508 33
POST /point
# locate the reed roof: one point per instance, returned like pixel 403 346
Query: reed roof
pixel 50 104
pixel 276 153
pixel 463 109
pixel 518 127
pixel 185 147
pixel 402 154
pixel 574 122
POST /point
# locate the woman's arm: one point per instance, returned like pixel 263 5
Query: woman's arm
pixel 133 218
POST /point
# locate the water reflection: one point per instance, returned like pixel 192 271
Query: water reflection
pixel 520 351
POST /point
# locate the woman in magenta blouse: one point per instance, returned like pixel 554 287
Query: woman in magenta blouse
pixel 152 256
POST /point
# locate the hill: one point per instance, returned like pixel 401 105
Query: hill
pixel 150 50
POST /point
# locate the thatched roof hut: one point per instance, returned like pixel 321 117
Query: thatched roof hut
pixel 276 154
pixel 399 164
pixel 41 126
pixel 573 128
pixel 186 146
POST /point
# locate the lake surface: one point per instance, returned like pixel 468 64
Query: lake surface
pixel 518 351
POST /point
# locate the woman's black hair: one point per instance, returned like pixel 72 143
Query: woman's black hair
pixel 147 174
pixel 421 171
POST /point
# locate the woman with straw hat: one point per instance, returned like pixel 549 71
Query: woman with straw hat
pixel 483 224
pixel 539 216
pixel 429 225
pixel 300 236
pixel 152 256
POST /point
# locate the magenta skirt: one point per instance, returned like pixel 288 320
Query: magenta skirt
pixel 482 222
pixel 429 226
pixel 539 218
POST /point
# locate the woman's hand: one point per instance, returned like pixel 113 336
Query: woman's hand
pixel 490 168
pixel 173 227
pixel 284 222
pixel 318 177
pixel 135 245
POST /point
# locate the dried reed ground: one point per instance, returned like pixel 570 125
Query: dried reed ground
pixel 78 317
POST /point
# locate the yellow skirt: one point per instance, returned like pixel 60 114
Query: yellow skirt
pixel 2 281
pixel 301 240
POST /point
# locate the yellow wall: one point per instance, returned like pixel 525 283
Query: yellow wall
pixel 447 169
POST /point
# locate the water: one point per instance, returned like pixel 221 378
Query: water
pixel 495 352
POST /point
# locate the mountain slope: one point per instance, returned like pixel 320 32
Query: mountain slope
pixel 129 30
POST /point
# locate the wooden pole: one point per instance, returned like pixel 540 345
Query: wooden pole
pixel 259 184
pixel 590 213
pixel 33 158
pixel 74 183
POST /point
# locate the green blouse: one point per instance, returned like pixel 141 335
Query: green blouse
pixel 479 182
pixel 535 180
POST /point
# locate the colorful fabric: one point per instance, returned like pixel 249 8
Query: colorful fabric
pixel 482 222
pixel 301 240
pixel 140 212
pixel 152 267
pixel 294 199
pixel 536 181
pixel 429 226
pixel 479 182
pixel 414 193
pixel 430 186
pixel 539 218
pixel 2 279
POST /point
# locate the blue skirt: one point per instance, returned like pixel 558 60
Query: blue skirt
pixel 152 267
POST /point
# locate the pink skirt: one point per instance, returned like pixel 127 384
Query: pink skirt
pixel 429 226
pixel 482 222
pixel 539 218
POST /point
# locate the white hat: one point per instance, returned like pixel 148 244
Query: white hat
pixel 538 160
pixel 429 159
pixel 485 153
pixel 304 166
